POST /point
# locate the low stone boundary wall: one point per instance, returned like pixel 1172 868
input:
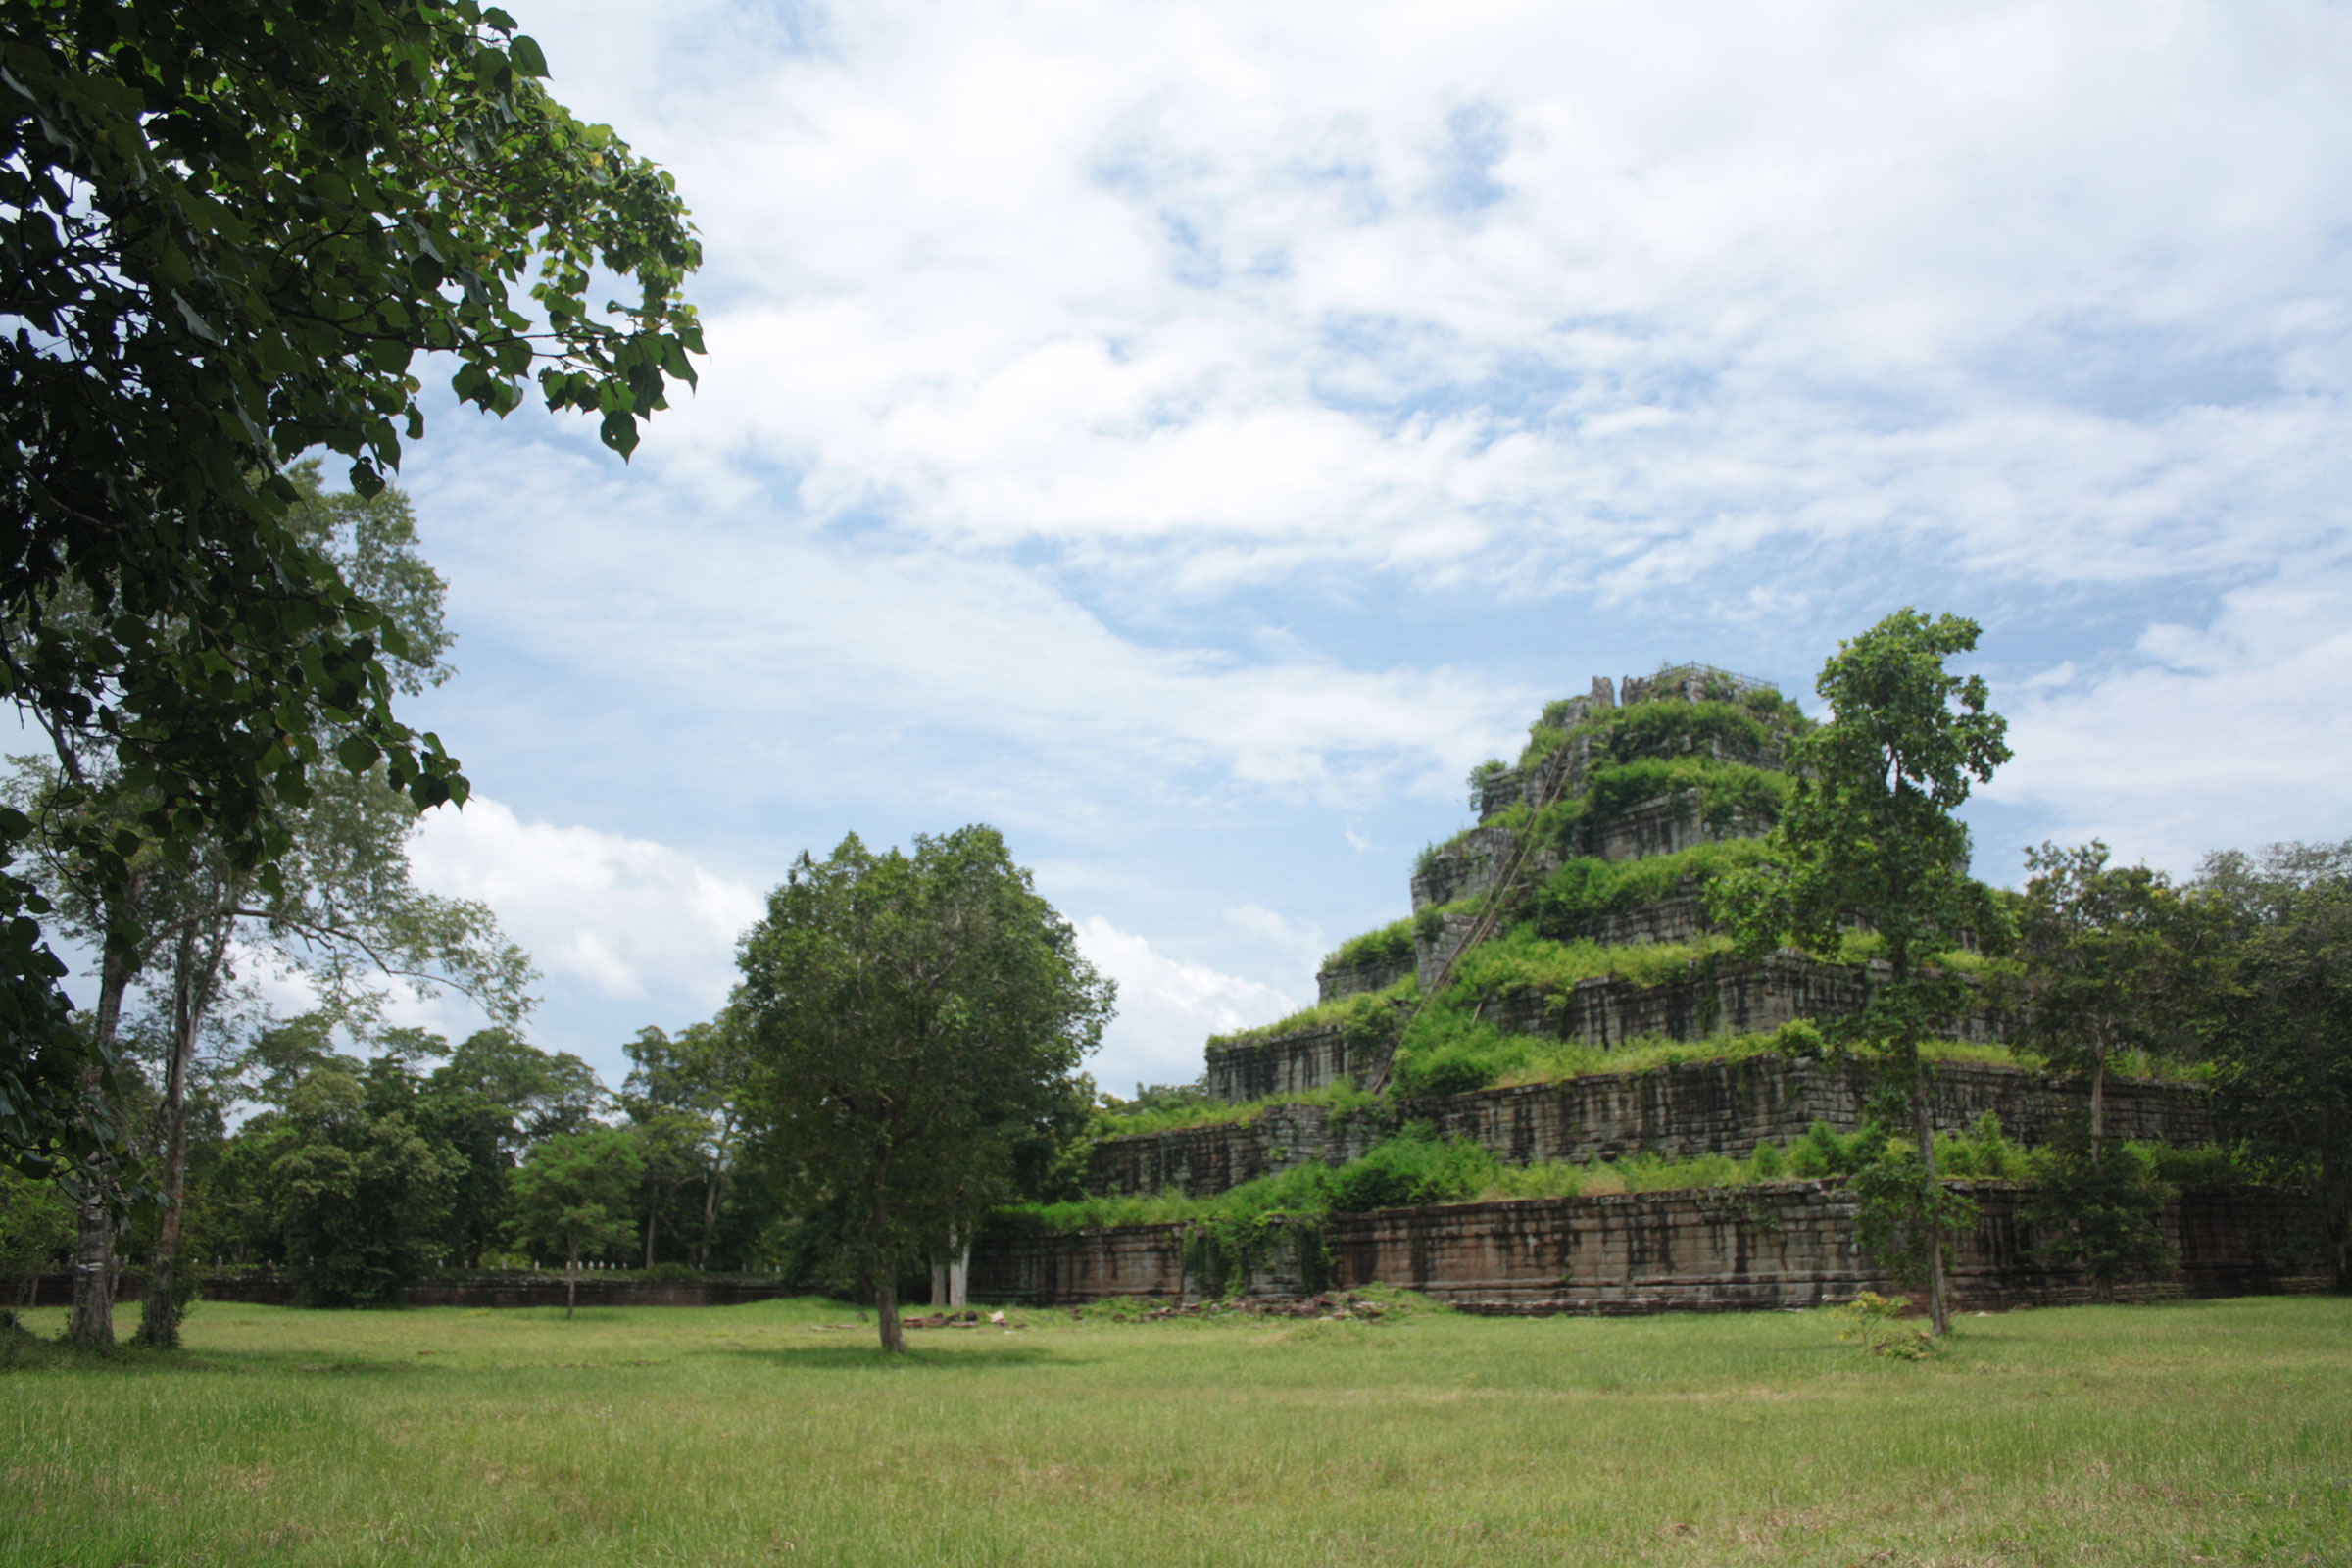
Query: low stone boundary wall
pixel 1711 1108
pixel 277 1290
pixel 1783 1246
pixel 1067 1269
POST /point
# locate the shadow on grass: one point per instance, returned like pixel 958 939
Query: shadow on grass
pixel 871 1355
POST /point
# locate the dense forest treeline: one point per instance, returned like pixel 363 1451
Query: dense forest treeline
pixel 359 1170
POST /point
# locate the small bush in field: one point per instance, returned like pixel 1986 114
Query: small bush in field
pixel 1875 1322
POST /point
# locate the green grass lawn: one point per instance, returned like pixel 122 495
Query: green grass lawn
pixel 2214 1432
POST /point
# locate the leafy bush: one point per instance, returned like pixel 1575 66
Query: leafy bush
pixel 1484 778
pixel 2207 1165
pixel 1983 1154
pixel 1825 1152
pixel 1875 1321
pixel 1521 959
pixel 1344 1011
pixel 1339 1098
pixel 1587 889
pixel 2100 1210
pixel 1411 1170
pixel 1391 944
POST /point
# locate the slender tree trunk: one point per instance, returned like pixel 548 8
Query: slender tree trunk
pixel 701 1248
pixel 1939 1315
pixel 93 1318
pixel 196 965
pixel 959 1268
pixel 571 1281
pixel 885 1285
pixel 653 1212
pixel 939 1282
pixel 886 1312
pixel 2098 1097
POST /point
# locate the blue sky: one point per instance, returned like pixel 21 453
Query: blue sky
pixel 1190 437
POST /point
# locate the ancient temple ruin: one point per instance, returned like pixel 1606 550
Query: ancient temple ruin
pixel 1572 916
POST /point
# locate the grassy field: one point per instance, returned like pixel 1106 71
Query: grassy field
pixel 2189 1433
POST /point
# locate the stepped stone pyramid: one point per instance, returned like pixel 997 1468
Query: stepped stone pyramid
pixel 1694 721
pixel 1632 772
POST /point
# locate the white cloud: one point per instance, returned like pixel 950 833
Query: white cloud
pixel 1167 1009
pixel 1294 944
pixel 1191 296
pixel 623 914
pixel 2226 736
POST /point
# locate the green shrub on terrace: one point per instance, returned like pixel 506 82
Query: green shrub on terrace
pixel 1448 1052
pixel 1667 729
pixel 1412 1168
pixel 1391 944
pixel 1521 959
pixel 1429 923
pixel 1585 889
pixel 1339 1099
pixel 1367 1010
pixel 2208 1166
pixel 1724 789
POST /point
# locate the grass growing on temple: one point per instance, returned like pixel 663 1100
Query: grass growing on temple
pixel 776 1433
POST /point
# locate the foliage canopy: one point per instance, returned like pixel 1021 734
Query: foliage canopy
pixel 913 1018
pixel 228 230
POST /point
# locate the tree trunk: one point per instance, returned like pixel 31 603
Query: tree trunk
pixel 883 1279
pixel 94 1319
pixel 701 1248
pixel 2335 1188
pixel 571 1281
pixel 939 1283
pixel 196 965
pixel 886 1312
pixel 1940 1315
pixel 959 1268
pixel 2098 1099
pixel 653 1211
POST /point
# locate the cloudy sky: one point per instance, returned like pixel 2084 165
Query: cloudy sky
pixel 1188 437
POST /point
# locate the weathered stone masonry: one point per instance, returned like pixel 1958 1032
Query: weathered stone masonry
pixel 1786 1246
pixel 1711 1107
pixel 1726 997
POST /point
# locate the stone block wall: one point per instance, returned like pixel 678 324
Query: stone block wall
pixel 1723 996
pixel 1682 916
pixel 1205 1160
pixel 264 1288
pixel 1464 869
pixel 1783 1246
pixel 1287 1065
pixel 1708 1108
pixel 1729 1107
pixel 1667 825
pixel 1330 985
pixel 1790 1245
pixel 1068 1268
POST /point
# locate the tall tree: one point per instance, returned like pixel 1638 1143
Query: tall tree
pixel 911 1019
pixel 2097 944
pixel 693 1080
pixel 1868 838
pixel 575 1193
pixel 357 1196
pixel 2281 1037
pixel 231 229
